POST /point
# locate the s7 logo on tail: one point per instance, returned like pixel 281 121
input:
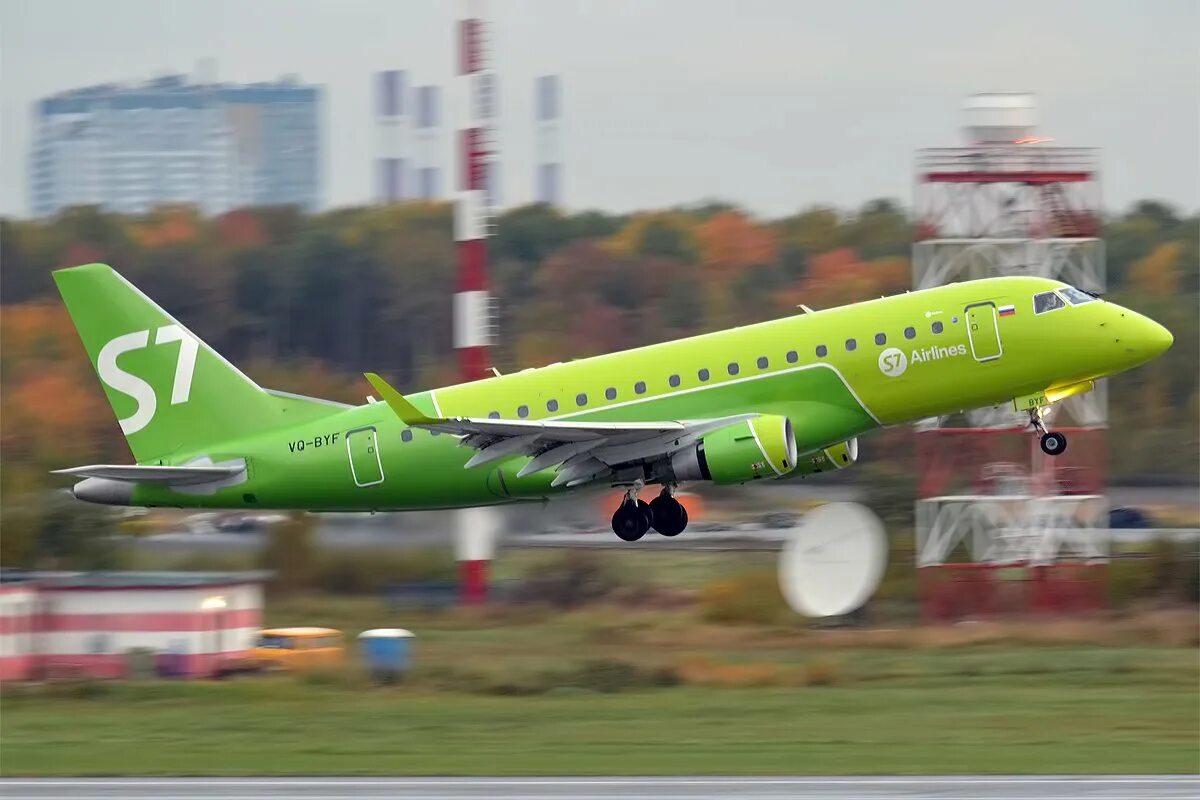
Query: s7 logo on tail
pixel 133 386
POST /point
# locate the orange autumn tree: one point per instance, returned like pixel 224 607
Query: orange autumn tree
pixel 730 244
pixel 53 411
pixel 839 277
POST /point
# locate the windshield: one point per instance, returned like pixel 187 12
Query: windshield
pixel 1077 297
pixel 1047 301
pixel 277 642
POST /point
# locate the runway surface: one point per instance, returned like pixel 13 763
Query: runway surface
pixel 1143 787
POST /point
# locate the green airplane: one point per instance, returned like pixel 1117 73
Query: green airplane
pixel 777 399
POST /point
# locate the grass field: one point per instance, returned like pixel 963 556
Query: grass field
pixel 1040 697
pixel 1041 724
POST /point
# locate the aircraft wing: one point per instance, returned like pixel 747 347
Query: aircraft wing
pixel 581 451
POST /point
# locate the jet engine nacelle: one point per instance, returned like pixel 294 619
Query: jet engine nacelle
pixel 836 456
pixel 763 447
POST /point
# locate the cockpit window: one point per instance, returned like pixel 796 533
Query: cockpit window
pixel 1077 297
pixel 1047 301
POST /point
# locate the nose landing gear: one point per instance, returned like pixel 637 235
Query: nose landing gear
pixel 1052 443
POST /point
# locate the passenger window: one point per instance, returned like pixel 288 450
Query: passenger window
pixel 639 387
pixel 792 356
pixel 733 368
pixel 1047 301
pixel 881 338
pixel 581 399
pixel 406 435
pixel 493 415
pixel 822 351
pixel 610 393
pixel 762 362
pixel 1077 297
pixel 936 327
pixel 673 380
pixel 522 411
pixel 910 332
pixel 552 405
pixel 702 374
pixel 851 344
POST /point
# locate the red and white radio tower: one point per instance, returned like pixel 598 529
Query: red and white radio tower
pixel 1008 203
pixel 474 91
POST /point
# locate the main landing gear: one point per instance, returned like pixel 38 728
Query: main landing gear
pixel 1053 444
pixel 635 517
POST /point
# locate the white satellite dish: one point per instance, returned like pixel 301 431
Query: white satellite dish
pixel 833 561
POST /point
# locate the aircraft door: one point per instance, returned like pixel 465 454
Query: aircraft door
pixel 983 331
pixel 366 467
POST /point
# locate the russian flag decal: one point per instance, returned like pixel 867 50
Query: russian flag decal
pixel 1008 311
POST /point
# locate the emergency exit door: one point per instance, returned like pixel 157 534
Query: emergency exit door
pixel 983 331
pixel 366 467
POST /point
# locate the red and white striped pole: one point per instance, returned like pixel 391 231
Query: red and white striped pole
pixel 474 93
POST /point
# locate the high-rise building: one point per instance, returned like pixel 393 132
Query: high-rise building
pixel 217 146
pixel 428 155
pixel 547 179
pixel 391 127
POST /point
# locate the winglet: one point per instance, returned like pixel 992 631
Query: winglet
pixel 406 411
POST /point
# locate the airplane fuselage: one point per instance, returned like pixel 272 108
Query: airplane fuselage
pixel 835 374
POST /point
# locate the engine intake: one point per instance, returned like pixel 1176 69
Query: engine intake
pixel 836 456
pixel 763 447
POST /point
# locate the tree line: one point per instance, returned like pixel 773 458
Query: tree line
pixel 307 302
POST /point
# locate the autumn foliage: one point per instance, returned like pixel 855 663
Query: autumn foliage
pixel 307 303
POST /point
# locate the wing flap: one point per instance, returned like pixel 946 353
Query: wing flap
pixel 579 451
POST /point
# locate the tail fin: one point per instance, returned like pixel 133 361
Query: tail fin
pixel 171 392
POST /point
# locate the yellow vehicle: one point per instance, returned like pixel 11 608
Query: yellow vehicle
pixel 298 648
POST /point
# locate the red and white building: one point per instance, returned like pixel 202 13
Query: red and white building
pixel 93 624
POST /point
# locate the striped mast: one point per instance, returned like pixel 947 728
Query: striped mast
pixel 474 95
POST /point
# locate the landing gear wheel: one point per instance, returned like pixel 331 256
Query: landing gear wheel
pixel 670 517
pixel 1054 444
pixel 647 513
pixel 630 522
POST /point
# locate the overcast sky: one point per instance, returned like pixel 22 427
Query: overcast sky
pixel 773 105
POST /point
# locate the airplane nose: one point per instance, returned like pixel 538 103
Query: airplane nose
pixel 1143 337
pixel 1161 338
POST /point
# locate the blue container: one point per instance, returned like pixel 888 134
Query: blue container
pixel 386 652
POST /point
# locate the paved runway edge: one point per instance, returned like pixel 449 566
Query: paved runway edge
pixel 882 787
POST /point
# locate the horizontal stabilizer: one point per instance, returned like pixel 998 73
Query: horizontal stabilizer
pixel 175 476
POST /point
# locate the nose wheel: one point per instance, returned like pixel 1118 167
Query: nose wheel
pixel 1052 443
